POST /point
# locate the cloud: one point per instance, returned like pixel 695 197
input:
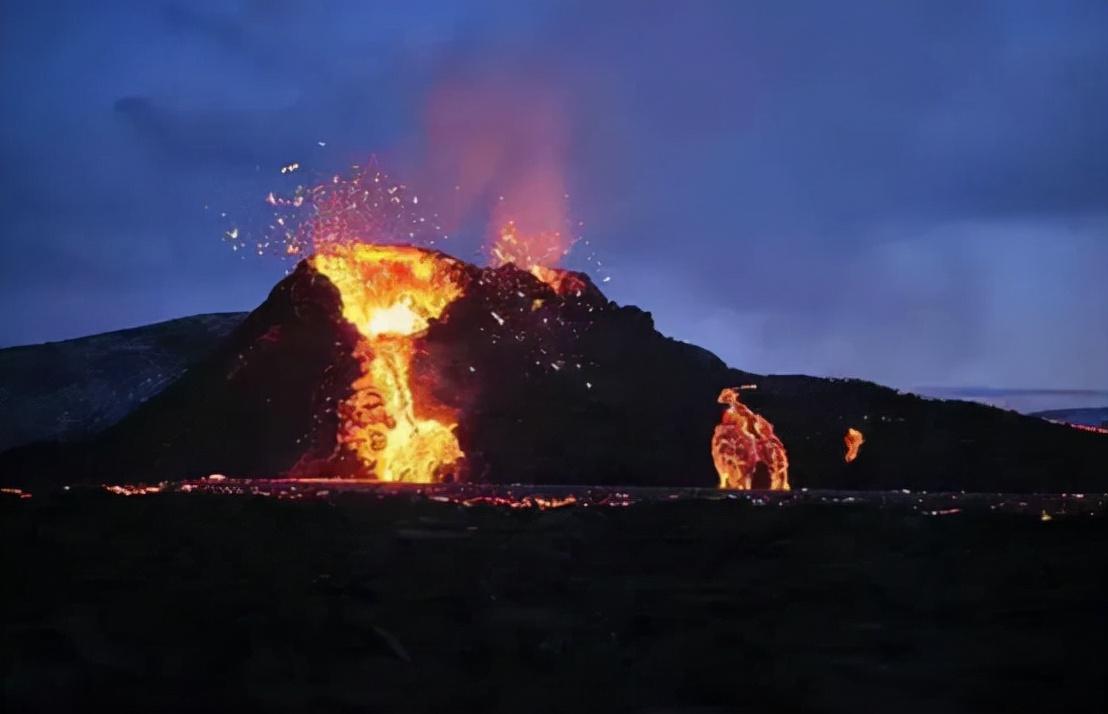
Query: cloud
pixel 855 188
pixel 203 142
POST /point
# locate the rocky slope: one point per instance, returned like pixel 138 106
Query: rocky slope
pixel 60 391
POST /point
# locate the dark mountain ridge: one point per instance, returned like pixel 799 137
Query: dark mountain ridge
pixel 558 389
pixel 61 391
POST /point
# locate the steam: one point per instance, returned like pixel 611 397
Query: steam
pixel 495 156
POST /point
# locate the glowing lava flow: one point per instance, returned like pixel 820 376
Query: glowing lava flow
pixel 390 294
pixel 853 442
pixel 742 442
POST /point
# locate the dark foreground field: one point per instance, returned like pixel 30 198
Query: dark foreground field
pixel 353 602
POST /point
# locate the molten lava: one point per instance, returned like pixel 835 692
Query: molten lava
pixel 853 442
pixel 1081 427
pixel 390 294
pixel 535 253
pixel 743 442
pixel 563 282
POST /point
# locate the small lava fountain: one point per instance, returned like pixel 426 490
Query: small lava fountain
pixel 745 448
pixel 361 233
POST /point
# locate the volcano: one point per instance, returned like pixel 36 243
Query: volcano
pixel 397 363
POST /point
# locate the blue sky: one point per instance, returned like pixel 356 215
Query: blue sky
pixel 915 193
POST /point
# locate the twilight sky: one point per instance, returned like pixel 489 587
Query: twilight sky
pixel 910 192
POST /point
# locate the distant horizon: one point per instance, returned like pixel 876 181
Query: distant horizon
pixel 1021 399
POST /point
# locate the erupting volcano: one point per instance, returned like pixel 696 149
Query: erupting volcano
pixel 395 426
pixel 392 425
pixel 397 363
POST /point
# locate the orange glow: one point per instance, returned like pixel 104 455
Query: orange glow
pixel 538 502
pixel 564 282
pixel 390 294
pixel 526 251
pixel 133 490
pixel 535 253
pixel 1081 427
pixel 853 442
pixel 497 148
pixel 741 442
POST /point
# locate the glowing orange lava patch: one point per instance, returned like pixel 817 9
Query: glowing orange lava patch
pixel 743 442
pixel 853 442
pixel 390 294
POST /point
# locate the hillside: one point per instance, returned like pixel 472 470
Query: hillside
pixel 62 391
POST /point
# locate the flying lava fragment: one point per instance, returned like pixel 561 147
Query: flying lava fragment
pixel 853 442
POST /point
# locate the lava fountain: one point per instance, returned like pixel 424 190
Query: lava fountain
pixel 536 253
pixel 398 431
pixel 746 451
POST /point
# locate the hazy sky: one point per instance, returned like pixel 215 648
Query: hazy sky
pixel 910 192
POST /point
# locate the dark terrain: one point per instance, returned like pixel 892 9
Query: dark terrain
pixel 356 602
pixel 75 388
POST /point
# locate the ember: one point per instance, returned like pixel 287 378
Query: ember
pixel 390 294
pixel 743 442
